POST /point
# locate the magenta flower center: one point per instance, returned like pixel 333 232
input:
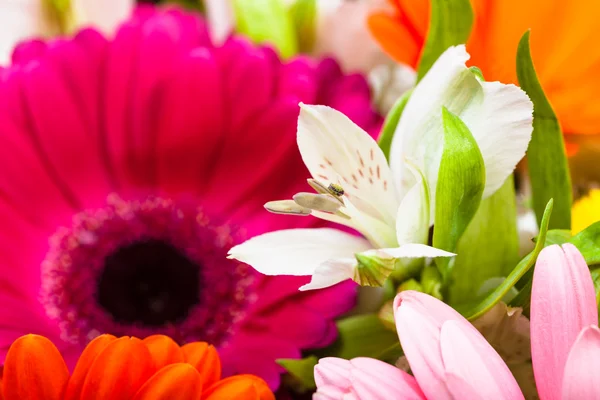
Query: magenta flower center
pixel 142 268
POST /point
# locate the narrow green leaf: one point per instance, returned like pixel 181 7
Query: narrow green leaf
pixel 304 18
pixel 267 21
pixel 588 243
pixel 517 273
pixel 489 247
pixel 461 180
pixel 546 157
pixel 449 24
pixel 596 280
pixel 391 122
pixel 302 370
pixel 362 336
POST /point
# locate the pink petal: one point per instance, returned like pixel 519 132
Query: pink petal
pixel 188 131
pixel 467 355
pixel 580 380
pixel 333 371
pixel 376 380
pixel 462 389
pixel 563 302
pixel 419 318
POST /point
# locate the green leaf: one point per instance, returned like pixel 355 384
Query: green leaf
pixel 431 282
pixel 557 236
pixel 267 21
pixel 461 180
pixel 588 243
pixel 596 280
pixel 546 157
pixel 363 336
pixel 450 24
pixel 517 273
pixel 489 247
pixel 304 16
pixel 391 122
pixel 302 370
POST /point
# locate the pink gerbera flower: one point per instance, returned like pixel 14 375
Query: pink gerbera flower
pixel 128 168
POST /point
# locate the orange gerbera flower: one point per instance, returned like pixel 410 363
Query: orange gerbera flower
pixel 564 47
pixel 124 368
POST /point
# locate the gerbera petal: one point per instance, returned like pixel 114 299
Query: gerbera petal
pixel 239 387
pixel 205 359
pixel 71 151
pixel 297 251
pixel 175 381
pixel 34 369
pixel 87 358
pixel 129 92
pixel 118 371
pixel 466 354
pixel 499 117
pixel 26 175
pixel 563 302
pixel 184 126
pixel 580 380
pixel 335 150
pixel 164 350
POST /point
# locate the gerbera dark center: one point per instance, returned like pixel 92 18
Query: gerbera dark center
pixel 149 282
pixel 145 267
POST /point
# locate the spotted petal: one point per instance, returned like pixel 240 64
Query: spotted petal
pixel 499 117
pixel 336 150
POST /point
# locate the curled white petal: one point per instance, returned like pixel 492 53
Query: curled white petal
pixel 297 251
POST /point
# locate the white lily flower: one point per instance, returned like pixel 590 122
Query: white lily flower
pixel 26 19
pixel 338 152
pixel 499 116
pixel 391 207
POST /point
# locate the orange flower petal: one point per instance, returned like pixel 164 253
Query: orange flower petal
pixel 33 370
pixel 164 350
pixel 118 371
pixel 178 381
pixel 205 359
pixel 243 387
pixel 395 38
pixel 88 356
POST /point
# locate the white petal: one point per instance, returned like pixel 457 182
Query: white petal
pixel 499 117
pixel 297 251
pixel 379 233
pixel 221 19
pixel 20 20
pixel 331 272
pixel 416 250
pixel 412 221
pixel 104 15
pixel 336 150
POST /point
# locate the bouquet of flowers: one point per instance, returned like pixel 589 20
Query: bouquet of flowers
pixel 260 199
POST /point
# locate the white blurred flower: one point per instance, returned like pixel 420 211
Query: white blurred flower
pixel 25 19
